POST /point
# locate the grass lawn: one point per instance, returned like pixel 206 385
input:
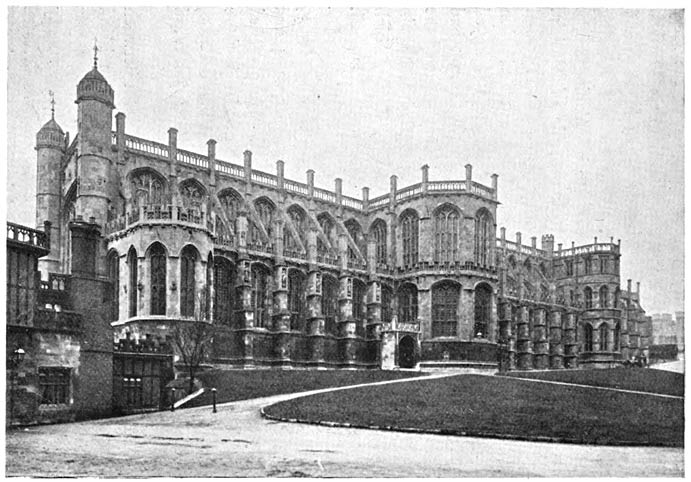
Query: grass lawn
pixel 483 405
pixel 639 379
pixel 234 385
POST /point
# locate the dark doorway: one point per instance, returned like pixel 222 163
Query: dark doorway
pixel 406 352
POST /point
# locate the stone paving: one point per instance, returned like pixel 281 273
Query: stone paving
pixel 237 442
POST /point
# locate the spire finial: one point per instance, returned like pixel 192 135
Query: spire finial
pixel 95 53
pixel 52 104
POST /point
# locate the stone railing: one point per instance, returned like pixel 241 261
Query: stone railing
pixel 143 345
pixel 160 213
pixel 294 253
pixel 326 258
pixel 270 180
pixel 230 169
pixel 409 192
pixel 27 236
pixel 145 146
pixel 521 248
pixel 412 327
pixel 260 247
pixel 192 158
pixel 449 267
pixel 589 248
pixel 45 319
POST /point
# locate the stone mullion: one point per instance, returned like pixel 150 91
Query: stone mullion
pixel 541 348
pixel 570 344
pixel 346 321
pixel 556 349
pixel 524 344
pixel 281 315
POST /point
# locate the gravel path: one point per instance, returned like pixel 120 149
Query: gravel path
pixel 237 442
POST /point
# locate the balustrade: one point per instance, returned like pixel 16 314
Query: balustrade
pixel 230 169
pixel 22 234
pixel 147 147
pixel 264 178
pixel 191 158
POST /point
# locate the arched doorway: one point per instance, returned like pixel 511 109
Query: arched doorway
pixel 406 352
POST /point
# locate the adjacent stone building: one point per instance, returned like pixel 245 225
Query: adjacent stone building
pixel 292 275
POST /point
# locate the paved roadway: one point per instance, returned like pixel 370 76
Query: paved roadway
pixel 237 442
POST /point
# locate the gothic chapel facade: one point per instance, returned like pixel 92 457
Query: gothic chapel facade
pixel 292 275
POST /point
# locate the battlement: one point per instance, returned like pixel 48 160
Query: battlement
pixel 171 153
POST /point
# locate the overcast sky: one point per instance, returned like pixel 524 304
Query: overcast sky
pixel 580 112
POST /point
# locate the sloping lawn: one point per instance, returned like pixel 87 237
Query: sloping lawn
pixel 234 385
pixel 500 406
pixel 638 379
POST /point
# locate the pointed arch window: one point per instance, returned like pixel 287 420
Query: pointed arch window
pixel 113 264
pixel 329 303
pixel 230 203
pixel 188 261
pixel 588 337
pixel 192 193
pixel 265 212
pixel 379 234
pixel 483 311
pixel 617 337
pixel 298 219
pixel 483 237
pixel 407 303
pixel 386 301
pixel 224 291
pixel 409 237
pixel 604 334
pixel 444 308
pixel 604 297
pixel 296 299
pixel 157 259
pixel 147 188
pixel 359 308
pixel 260 297
pixel 588 297
pixel 446 235
pixel 132 282
pixel 355 232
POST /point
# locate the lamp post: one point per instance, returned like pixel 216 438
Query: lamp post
pixel 13 362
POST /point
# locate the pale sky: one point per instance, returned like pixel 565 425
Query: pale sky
pixel 580 112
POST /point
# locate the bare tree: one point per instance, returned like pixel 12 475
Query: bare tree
pixel 192 338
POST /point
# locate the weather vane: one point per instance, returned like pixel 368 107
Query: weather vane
pixel 95 53
pixel 52 103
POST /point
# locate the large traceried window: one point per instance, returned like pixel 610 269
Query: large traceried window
pixel 359 308
pixel 157 259
pixel 192 193
pixel 409 236
pixel 230 204
pixel 188 261
pixel 132 282
pixel 588 338
pixel 261 295
pixel 407 303
pixel 378 231
pixel 298 218
pixel 604 334
pixel 483 237
pixel 446 234
pixel 604 297
pixel 329 303
pixel 296 299
pixel 265 212
pixel 483 310
pixel 224 291
pixel 445 308
pixel 113 265
pixel 386 301
pixel 588 297
pixel 355 232
pixel 147 187
pixel 328 227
